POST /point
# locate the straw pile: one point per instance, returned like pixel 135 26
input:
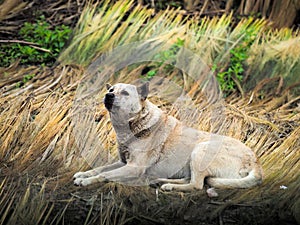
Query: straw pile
pixel 41 149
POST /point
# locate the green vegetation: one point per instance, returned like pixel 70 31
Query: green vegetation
pixel 230 76
pixel 165 59
pixel 26 78
pixel 40 44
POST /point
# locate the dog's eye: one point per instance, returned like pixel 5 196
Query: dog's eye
pixel 124 93
pixel 111 90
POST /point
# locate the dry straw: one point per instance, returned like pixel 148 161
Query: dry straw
pixel 39 153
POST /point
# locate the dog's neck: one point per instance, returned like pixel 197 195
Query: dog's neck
pixel 141 126
pixel 146 121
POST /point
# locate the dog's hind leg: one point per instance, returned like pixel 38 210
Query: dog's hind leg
pixel 178 187
pixel 196 182
pixel 173 181
pixel 197 176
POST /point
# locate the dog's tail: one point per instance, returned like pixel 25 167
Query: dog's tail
pixel 252 179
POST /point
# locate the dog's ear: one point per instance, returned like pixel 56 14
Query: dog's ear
pixel 108 86
pixel 143 91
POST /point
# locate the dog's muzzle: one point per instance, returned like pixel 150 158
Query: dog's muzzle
pixel 109 100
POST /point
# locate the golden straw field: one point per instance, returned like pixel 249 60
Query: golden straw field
pixel 41 148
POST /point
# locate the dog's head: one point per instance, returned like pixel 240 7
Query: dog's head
pixel 126 100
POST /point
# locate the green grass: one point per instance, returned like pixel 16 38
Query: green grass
pixel 165 59
pixel 40 45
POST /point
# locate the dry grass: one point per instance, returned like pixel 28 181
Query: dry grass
pixel 39 154
pixel 45 139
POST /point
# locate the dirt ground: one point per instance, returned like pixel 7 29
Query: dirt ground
pixel 112 203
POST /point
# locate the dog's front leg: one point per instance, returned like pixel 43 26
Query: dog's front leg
pixel 122 174
pixel 98 170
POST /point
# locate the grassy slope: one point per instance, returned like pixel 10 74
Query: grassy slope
pixel 39 152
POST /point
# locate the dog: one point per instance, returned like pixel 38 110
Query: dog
pixel 159 148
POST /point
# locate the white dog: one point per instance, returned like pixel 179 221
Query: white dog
pixel 158 147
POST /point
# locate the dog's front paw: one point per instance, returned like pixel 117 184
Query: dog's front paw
pixel 83 181
pixel 78 181
pixel 90 180
pixel 167 187
pixel 80 175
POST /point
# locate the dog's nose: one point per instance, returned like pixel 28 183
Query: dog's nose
pixel 109 100
pixel 110 95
